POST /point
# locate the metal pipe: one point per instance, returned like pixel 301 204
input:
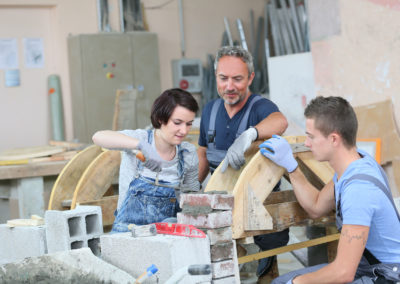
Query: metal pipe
pixel 181 27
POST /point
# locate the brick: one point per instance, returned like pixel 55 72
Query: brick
pixel 223 268
pixel 211 221
pixel 20 242
pixel 225 280
pixel 219 235
pixel 222 251
pixel 167 252
pixel 74 229
pixel 214 201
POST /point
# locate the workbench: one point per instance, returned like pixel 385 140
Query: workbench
pixel 27 187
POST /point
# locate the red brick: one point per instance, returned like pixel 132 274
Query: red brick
pixel 222 251
pixel 220 235
pixel 214 201
pixel 223 268
pixel 209 221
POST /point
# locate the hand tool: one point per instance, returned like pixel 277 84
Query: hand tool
pixel 167 229
pixel 151 270
pixel 139 155
pixel 195 269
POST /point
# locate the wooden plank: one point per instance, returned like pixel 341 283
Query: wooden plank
pixel 227 181
pixel 125 110
pixel 30 152
pixel 68 179
pixel 321 169
pixel 32 170
pixel 262 175
pixel 97 177
pixel 305 244
pixel 377 120
pixel 108 206
pixel 280 197
pixel 256 217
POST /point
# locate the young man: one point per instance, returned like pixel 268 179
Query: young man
pixel 369 244
pixel 231 123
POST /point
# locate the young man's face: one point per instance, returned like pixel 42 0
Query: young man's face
pixel 319 144
pixel 233 79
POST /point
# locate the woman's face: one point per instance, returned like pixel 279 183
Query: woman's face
pixel 178 125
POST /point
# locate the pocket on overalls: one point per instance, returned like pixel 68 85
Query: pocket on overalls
pixel 132 209
pixel 158 208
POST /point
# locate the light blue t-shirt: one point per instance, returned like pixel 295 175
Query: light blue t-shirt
pixel 363 203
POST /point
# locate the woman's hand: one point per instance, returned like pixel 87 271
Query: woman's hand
pixel 153 160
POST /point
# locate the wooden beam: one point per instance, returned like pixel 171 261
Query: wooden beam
pixel 271 252
pixel 64 187
pixel 97 178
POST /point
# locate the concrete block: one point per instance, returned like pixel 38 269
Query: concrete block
pixel 220 235
pixel 223 268
pixel 217 219
pixel 74 229
pixel 225 280
pixel 167 252
pixel 214 201
pixel 77 266
pixel 222 251
pixel 20 242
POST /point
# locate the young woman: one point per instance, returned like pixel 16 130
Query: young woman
pixel 149 190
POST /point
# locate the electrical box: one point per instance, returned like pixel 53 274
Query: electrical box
pixel 101 64
pixel 187 74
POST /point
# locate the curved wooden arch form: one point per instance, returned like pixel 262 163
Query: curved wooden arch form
pixel 97 178
pixel 252 185
pixel 68 178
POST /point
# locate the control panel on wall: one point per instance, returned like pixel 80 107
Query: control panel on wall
pixel 187 74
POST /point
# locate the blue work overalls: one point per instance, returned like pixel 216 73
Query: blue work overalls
pixel 148 201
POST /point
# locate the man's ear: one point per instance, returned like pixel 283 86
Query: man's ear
pixel 251 78
pixel 335 138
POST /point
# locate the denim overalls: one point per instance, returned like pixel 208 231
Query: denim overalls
pixel 148 201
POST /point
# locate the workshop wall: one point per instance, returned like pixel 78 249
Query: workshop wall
pixel 361 62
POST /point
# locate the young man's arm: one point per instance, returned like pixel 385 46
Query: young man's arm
pixel 343 269
pixel 203 163
pixel 316 203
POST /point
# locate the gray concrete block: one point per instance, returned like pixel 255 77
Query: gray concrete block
pixel 167 252
pixel 20 242
pixel 74 229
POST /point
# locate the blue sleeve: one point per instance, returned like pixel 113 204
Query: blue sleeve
pixel 359 201
pixel 262 109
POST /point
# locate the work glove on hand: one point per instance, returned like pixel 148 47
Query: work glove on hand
pixel 153 160
pixel 278 150
pixel 235 155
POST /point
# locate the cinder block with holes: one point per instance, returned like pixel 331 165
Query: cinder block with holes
pixel 74 229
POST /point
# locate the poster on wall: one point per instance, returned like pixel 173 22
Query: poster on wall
pixel 33 52
pixel 8 53
pixel 292 87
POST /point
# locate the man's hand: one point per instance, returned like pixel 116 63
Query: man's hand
pixel 235 155
pixel 278 150
pixel 153 160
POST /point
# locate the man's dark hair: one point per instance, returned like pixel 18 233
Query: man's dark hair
pixel 166 103
pixel 334 114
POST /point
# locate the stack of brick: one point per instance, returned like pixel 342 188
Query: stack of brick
pixel 74 229
pixel 213 214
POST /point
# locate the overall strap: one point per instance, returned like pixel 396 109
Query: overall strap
pixel 211 125
pixel 377 183
pixel 243 124
pixel 385 188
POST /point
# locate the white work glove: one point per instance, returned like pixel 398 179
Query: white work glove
pixel 278 150
pixel 235 155
pixel 153 160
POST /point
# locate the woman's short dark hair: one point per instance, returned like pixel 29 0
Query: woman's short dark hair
pixel 166 103
pixel 334 114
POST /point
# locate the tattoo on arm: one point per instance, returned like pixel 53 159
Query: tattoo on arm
pixel 350 237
